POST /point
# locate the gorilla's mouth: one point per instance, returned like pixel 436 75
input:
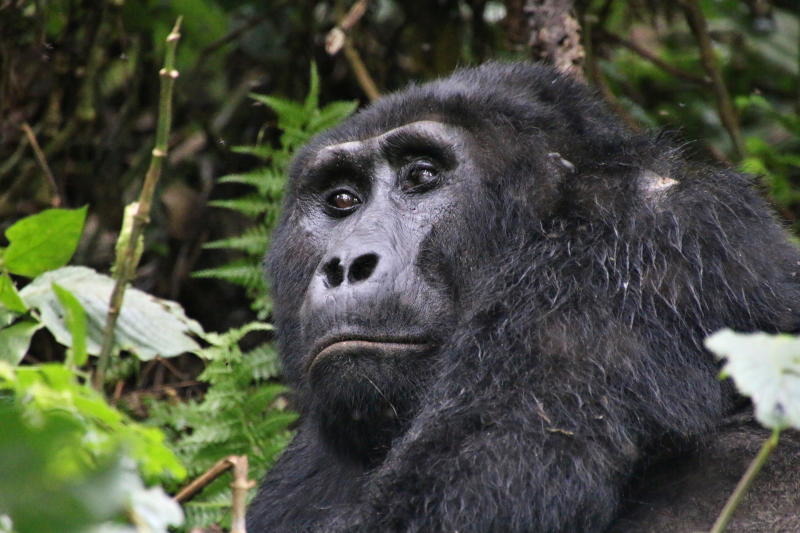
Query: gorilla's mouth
pixel 355 346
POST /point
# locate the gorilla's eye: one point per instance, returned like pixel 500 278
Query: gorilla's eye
pixel 419 176
pixel 343 201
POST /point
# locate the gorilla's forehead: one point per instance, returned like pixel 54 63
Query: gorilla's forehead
pixel 428 130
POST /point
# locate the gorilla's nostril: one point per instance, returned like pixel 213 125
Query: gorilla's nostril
pixel 333 272
pixel 362 268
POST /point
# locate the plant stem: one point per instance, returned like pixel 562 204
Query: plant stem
pixel 727 113
pixel 129 258
pixel 744 483
pixel 239 488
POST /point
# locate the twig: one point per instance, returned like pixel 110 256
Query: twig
pixel 337 39
pixel 129 257
pixel 697 22
pixel 654 59
pixel 595 75
pixel 239 488
pixel 744 483
pixel 360 70
pixel 200 482
pixel 42 160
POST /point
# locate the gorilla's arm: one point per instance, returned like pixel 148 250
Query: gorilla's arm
pixel 548 447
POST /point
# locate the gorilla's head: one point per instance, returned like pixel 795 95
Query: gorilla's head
pixel 381 251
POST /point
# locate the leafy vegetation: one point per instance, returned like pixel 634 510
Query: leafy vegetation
pixel 298 122
pixel 81 78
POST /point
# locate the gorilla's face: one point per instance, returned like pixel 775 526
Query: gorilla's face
pixel 377 304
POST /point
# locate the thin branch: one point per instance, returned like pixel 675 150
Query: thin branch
pixel 239 488
pixel 200 482
pixel 129 257
pixel 248 25
pixel 338 39
pixel 744 483
pixel 357 11
pixel 360 70
pixel 595 75
pixel 42 160
pixel 654 59
pixel 727 114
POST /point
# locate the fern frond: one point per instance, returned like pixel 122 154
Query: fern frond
pixel 250 205
pixel 241 273
pixel 263 361
pixel 262 151
pixel 253 242
pixel 290 114
pixel 331 115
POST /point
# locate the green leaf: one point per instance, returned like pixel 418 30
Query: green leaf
pixel 253 241
pixel 16 339
pixel 242 273
pixel 44 241
pixel 147 326
pixel 75 319
pixel 47 388
pixel 332 114
pixel 290 114
pixel 9 297
pixel 250 205
pixel 766 368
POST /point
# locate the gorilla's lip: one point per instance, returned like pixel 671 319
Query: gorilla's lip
pixel 388 346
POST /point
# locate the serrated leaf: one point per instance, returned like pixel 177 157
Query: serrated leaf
pixel 44 241
pixel 16 339
pixel 253 178
pixel 290 114
pixel 241 273
pixel 261 151
pixel 75 320
pixel 767 369
pixel 251 205
pixel 253 241
pixel 147 326
pixel 332 114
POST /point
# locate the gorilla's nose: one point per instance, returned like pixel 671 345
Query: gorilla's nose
pixel 336 271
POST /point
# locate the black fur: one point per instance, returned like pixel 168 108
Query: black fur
pixel 583 265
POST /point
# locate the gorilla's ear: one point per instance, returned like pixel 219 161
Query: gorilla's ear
pixel 654 185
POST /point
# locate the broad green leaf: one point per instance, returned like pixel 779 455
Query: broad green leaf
pixel 16 339
pixel 44 241
pixel 40 390
pixel 47 486
pixel 75 320
pixel 147 326
pixel 9 297
pixel 767 369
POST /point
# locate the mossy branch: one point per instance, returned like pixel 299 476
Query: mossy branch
pixel 128 258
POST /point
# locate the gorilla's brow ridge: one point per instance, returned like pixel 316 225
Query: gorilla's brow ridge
pixel 413 134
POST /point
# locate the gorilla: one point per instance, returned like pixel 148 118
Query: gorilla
pixel 491 297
